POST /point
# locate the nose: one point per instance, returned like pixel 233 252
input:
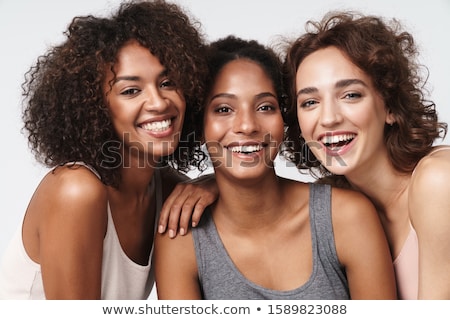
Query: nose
pixel 245 122
pixel 330 114
pixel 155 100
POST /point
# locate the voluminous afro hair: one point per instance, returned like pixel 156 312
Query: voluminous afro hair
pixel 65 112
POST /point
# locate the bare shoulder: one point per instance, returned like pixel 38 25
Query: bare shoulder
pixel 351 207
pixel 68 209
pixel 428 191
pixel 181 245
pixel 71 189
pixel 349 203
pixel 173 281
pixel 77 182
pixel 169 252
pixel 433 170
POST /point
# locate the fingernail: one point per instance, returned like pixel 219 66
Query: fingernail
pixel 171 233
pixel 161 228
pixel 194 224
pixel 182 232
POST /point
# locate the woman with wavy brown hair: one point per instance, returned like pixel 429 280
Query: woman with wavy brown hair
pixel 360 110
pixel 107 110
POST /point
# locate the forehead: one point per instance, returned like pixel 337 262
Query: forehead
pixel 327 66
pixel 243 73
pixel 133 55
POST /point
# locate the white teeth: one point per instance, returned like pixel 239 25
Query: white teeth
pixel 337 138
pixel 246 149
pixel 157 125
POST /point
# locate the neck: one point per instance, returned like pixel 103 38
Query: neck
pixel 135 177
pixel 249 204
pixel 384 188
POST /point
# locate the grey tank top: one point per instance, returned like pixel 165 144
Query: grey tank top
pixel 221 280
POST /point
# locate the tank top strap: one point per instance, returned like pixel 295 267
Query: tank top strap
pixel 321 220
pixel 155 185
pixel 320 205
pixel 81 163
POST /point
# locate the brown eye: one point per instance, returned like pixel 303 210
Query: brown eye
pixel 129 92
pixel 222 109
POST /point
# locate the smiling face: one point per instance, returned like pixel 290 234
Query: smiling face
pixel 147 110
pixel 340 113
pixel 243 126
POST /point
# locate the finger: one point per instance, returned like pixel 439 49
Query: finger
pixel 186 213
pixel 167 207
pixel 176 211
pixel 200 207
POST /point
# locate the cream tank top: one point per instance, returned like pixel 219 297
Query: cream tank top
pixel 122 278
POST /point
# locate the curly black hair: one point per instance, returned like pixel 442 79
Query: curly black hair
pixel 388 55
pixel 65 113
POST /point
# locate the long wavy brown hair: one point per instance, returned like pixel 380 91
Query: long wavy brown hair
pixel 65 113
pixel 389 55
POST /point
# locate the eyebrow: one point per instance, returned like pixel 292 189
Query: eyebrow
pixel 137 78
pixel 340 84
pixel 222 95
pixel 233 96
pixel 126 78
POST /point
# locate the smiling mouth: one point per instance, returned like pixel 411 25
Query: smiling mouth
pixel 157 126
pixel 247 149
pixel 336 142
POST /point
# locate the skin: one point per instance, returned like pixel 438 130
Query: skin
pixel 356 108
pixel 185 205
pixel 66 220
pixel 259 231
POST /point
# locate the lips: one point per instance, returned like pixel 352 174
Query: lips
pixel 336 142
pixel 245 148
pixel 157 126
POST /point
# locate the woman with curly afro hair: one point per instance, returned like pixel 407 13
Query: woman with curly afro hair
pixel 365 123
pixel 108 110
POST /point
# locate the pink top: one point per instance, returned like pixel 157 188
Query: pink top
pixel 406 266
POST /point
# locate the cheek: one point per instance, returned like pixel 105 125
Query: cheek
pixel 120 119
pixel 213 130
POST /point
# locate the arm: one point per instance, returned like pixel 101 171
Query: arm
pixel 187 200
pixel 176 268
pixel 429 208
pixel 362 247
pixel 70 204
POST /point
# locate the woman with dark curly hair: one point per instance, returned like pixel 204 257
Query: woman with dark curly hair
pixel 107 110
pixel 365 123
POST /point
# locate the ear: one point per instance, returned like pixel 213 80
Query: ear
pixel 390 118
